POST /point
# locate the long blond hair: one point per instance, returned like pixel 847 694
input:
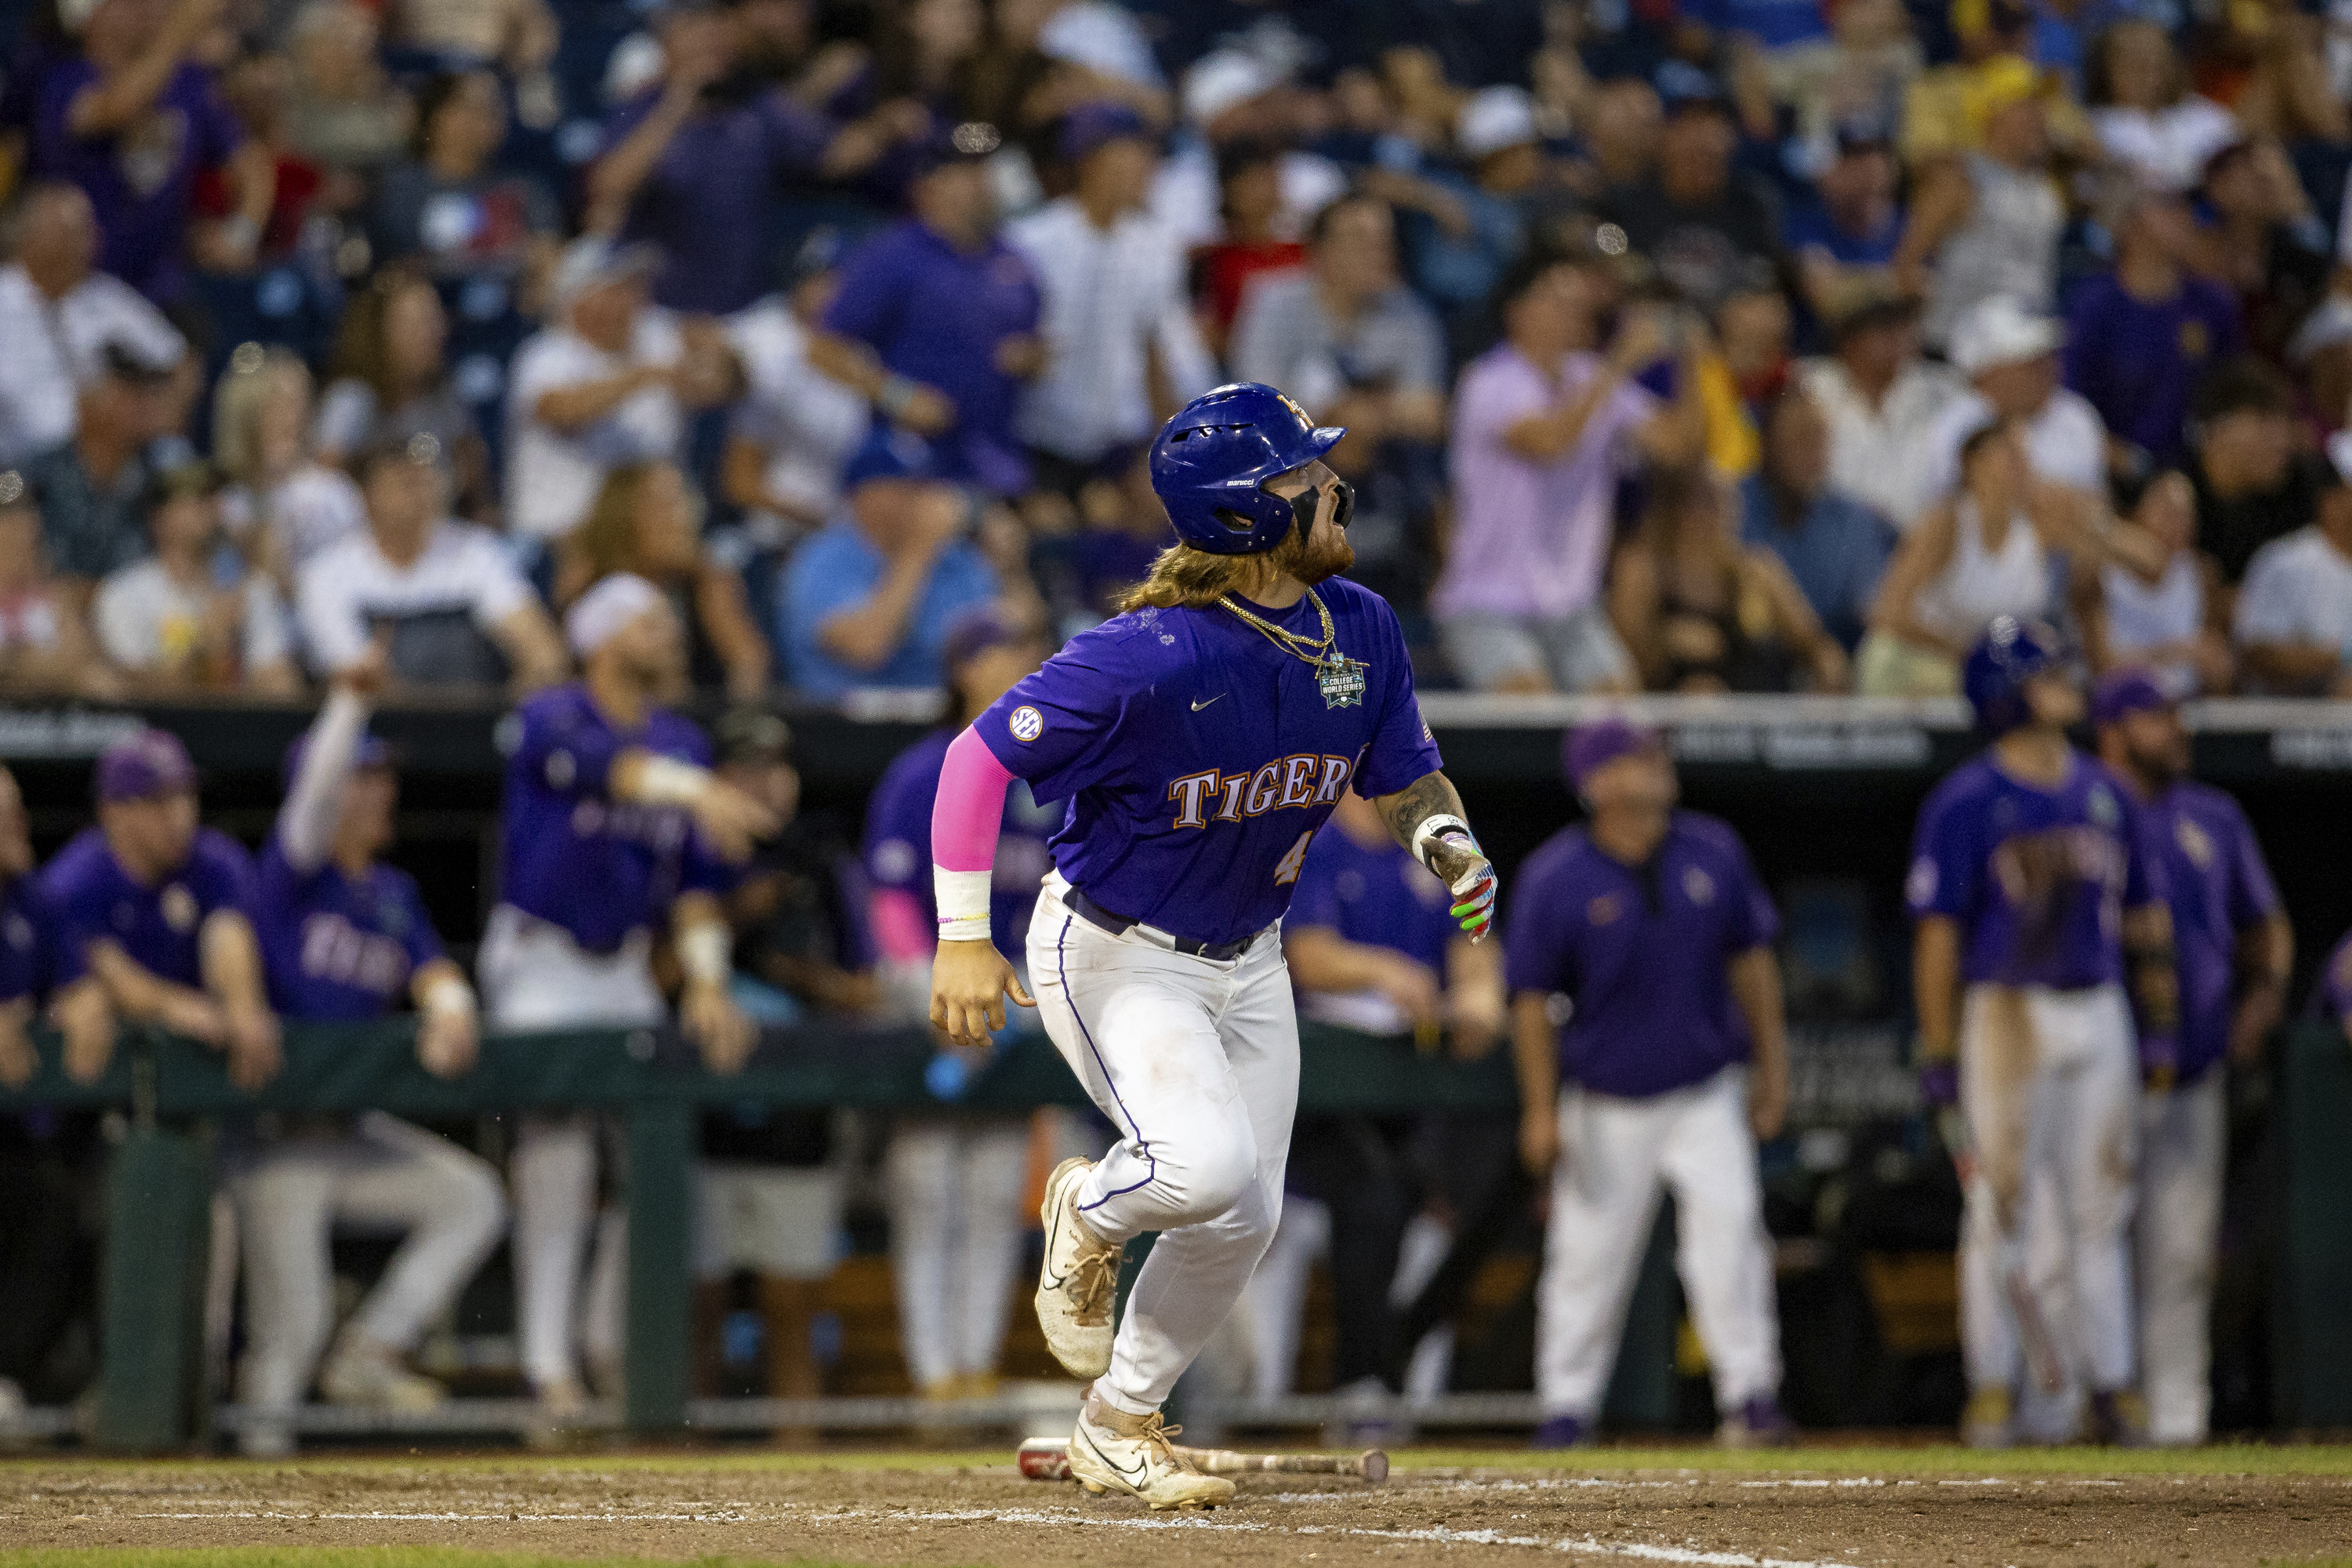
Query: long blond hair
pixel 1183 576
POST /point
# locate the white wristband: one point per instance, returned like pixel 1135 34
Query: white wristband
pixel 448 996
pixel 1433 828
pixel 962 898
pixel 666 780
pixel 706 952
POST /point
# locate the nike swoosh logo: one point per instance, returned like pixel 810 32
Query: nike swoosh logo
pixel 1218 697
pixel 1113 1465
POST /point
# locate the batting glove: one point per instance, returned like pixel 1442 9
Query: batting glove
pixel 1474 897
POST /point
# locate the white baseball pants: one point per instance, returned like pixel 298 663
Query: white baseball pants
pixel 1616 1157
pixel 954 1187
pixel 382 1172
pixel 534 976
pixel 1196 1064
pixel 2183 1147
pixel 2050 1091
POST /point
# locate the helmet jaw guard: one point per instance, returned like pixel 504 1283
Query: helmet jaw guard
pixel 2010 653
pixel 1209 461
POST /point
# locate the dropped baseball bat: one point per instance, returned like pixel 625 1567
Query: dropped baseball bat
pixel 1048 1460
pixel 2041 1351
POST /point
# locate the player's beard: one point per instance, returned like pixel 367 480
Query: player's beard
pixel 2159 767
pixel 1310 557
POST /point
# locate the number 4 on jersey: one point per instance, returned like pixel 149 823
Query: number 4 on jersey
pixel 1286 871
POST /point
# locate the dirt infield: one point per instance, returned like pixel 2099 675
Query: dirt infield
pixel 1798 1510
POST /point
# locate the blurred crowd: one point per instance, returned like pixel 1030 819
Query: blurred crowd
pixel 1684 344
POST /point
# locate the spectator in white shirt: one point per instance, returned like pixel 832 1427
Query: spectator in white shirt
pixel 2008 352
pixel 797 428
pixel 2293 621
pixel 443 595
pixel 612 382
pixel 2142 110
pixel 44 645
pixel 1232 97
pixel 282 506
pixel 1883 403
pixel 56 314
pixel 1121 351
pixel 171 624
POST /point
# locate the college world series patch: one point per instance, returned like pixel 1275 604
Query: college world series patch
pixel 1341 680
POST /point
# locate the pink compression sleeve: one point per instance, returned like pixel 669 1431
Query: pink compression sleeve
pixel 899 926
pixel 970 810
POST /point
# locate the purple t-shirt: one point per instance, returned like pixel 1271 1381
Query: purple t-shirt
pixel 27 941
pixel 1529 538
pixel 2217 886
pixel 141 179
pixel 935 315
pixel 706 203
pixel 91 896
pixel 1641 953
pixel 2137 362
pixel 335 947
pixel 575 856
pixel 899 841
pixel 1199 759
pixel 2037 879
pixel 1379 896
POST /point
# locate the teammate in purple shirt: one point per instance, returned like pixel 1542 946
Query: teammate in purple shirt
pixel 2033 895
pixel 27 957
pixel 1651 921
pixel 152 929
pixel 618 832
pixel 2235 950
pixel 1201 738
pixel 345 937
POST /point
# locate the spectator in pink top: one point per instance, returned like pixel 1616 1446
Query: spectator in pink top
pixel 1544 427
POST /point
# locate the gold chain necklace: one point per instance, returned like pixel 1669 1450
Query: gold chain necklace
pixel 1291 642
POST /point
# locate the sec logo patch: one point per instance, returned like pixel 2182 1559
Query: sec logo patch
pixel 1026 723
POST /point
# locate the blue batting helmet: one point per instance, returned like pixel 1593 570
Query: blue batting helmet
pixel 1207 462
pixel 2009 654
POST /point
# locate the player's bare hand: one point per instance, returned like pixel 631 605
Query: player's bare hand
pixel 969 980
pixel 448 1043
pixel 192 1015
pixel 1413 988
pixel 1021 354
pixel 1539 1140
pixel 1768 1102
pixel 927 411
pixel 364 676
pixel 1477 1025
pixel 255 1052
pixel 723 1032
pixel 732 820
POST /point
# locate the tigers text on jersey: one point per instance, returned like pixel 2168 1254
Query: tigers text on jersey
pixel 575 856
pixel 334 946
pixel 2038 878
pixel 1199 758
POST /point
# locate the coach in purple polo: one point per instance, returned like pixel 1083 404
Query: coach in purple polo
pixel 2234 949
pixel 152 927
pixel 1672 1063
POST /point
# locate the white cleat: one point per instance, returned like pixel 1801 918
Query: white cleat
pixel 360 1371
pixel 1114 1452
pixel 1078 1281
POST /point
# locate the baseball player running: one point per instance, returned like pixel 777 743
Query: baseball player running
pixel 1202 736
pixel 616 830
pixel 343 936
pixel 2033 895
pixel 2236 951
pixel 1652 922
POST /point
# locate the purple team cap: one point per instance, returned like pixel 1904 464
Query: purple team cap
pixel 151 764
pixel 2122 691
pixel 972 635
pixel 1590 747
pixel 1091 126
pixel 372 752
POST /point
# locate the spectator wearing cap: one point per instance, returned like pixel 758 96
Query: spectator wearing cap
pixel 647 521
pixel 442 596
pixel 1121 351
pixel 451 210
pixel 610 380
pixel 1233 99
pixel 390 381
pixel 2009 352
pixel 1544 429
pixel 868 599
pixel 1987 222
pixel 1835 546
pixel 2142 112
pixel 1843 239
pixel 131 117
pixel 46 648
pixel 936 319
pixel 57 314
pixel 282 505
pixel 2252 485
pixel 1703 226
pixel 151 923
pixel 796 427
pixel 88 489
pixel 2294 614
pixel 2167 618
pixel 2139 335
pixel 171 624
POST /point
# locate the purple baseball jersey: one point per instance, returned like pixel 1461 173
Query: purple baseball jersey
pixel 2332 999
pixel 1199 759
pixel 575 856
pixel 2038 878
pixel 91 896
pixel 1380 897
pixel 899 842
pixel 2217 886
pixel 336 948
pixel 27 948
pixel 1641 953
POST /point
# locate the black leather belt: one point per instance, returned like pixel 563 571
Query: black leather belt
pixel 1095 915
